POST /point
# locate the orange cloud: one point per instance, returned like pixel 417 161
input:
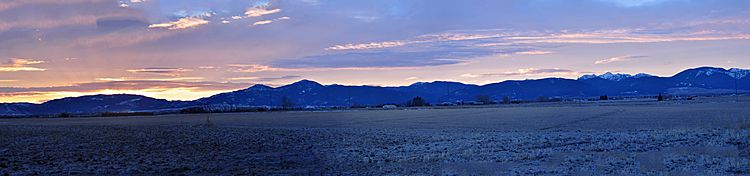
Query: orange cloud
pixel 182 23
pixel 159 70
pixel 19 64
pixel 262 22
pixel 173 90
pixel 270 21
pixel 260 11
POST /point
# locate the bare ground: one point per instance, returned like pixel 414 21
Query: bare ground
pixel 703 137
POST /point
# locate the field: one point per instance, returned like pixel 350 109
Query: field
pixel 707 136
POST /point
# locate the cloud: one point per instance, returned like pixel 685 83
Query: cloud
pixel 366 18
pixel 10 4
pixel 373 45
pixel 262 22
pixel 152 79
pixel 428 39
pixel 469 75
pixel 159 89
pixel 182 23
pixel 20 64
pixel 260 11
pixel 7 80
pixel 20 15
pixel 489 38
pixel 618 59
pixel 396 58
pixel 120 23
pixel 270 21
pixel 534 52
pixel 123 38
pixel 529 72
pixel 128 3
pixel 411 78
pixel 265 79
pixel 52 22
pixel 160 71
pixel 380 59
pixel 251 68
pixel 127 85
pixel 459 46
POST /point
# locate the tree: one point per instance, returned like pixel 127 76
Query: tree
pixel 416 101
pixel 484 99
pixel 603 97
pixel 506 100
pixel 660 98
pixel 286 102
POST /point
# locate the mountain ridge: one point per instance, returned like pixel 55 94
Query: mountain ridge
pixel 310 93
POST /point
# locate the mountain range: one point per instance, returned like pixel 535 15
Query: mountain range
pixel 703 80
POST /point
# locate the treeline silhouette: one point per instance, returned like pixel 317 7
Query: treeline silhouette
pixel 288 104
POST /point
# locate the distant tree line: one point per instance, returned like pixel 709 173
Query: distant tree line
pixel 289 104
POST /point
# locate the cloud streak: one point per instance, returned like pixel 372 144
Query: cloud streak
pixel 128 85
pixel 123 38
pixel 182 23
pixel 617 59
pixel 264 22
pixel 159 70
pixel 459 46
pixel 498 37
pixel 373 45
pixel 534 52
pixel 253 68
pixel 265 79
pixel 10 4
pixel 20 64
pixel 260 11
pixel 153 88
pixel 527 72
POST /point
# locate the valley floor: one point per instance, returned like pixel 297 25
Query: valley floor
pixel 708 136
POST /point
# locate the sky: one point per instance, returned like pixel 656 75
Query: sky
pixel 188 49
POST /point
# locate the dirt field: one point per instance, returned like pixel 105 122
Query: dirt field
pixel 707 136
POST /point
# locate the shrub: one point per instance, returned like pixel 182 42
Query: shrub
pixel 506 100
pixel 417 101
pixel 603 97
pixel 193 110
pixel 484 99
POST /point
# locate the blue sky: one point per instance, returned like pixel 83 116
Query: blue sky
pixel 185 49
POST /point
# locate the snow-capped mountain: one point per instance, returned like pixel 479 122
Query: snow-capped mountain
pixel 311 93
pixel 614 76
pixel 738 73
